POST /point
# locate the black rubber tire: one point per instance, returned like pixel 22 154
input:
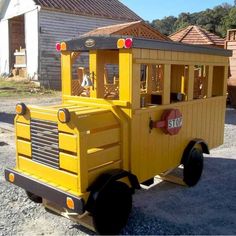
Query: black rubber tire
pixel 112 208
pixel 193 167
pixel 34 198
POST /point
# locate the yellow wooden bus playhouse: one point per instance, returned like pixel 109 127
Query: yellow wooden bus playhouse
pixel 141 109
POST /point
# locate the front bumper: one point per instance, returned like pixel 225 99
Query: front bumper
pixel 45 191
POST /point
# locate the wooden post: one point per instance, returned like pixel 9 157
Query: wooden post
pixel 82 162
pixel 96 69
pixel 166 85
pixel 190 83
pixel 209 82
pixel 66 73
pixel 129 79
pixel 226 72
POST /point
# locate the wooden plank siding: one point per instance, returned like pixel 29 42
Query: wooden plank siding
pixel 55 27
pixel 154 151
pixel 232 46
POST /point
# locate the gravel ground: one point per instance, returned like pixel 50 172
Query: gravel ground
pixel 208 208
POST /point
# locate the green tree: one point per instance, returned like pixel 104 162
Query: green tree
pixel 183 21
pixel 217 20
pixel 230 19
pixel 166 25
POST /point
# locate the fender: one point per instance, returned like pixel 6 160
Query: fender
pixel 191 145
pixel 106 178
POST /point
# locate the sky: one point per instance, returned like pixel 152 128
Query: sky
pixel 158 9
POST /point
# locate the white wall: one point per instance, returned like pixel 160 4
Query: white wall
pixel 4 47
pixel 31 38
pixel 18 7
pixel 13 8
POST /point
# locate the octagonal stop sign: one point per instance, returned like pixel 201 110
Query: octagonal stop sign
pixel 171 122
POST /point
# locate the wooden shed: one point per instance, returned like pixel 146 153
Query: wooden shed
pixel 194 34
pixel 231 45
pixel 30 30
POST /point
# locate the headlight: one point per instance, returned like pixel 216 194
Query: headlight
pixel 63 115
pixel 20 109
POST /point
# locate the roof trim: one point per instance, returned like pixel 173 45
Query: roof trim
pixel 205 37
pixel 109 42
pixel 78 9
pixel 119 29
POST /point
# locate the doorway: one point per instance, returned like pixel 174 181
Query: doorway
pixel 17 42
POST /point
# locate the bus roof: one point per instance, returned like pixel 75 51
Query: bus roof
pixel 109 42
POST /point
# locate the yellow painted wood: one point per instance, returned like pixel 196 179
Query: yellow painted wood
pixel 103 138
pixel 156 152
pixel 149 82
pixel 145 53
pixel 153 54
pixel 83 181
pixel 98 157
pixel 108 134
pixel 97 68
pixel 24 148
pixel 190 83
pixel 23 119
pixel 136 86
pixel 95 102
pixel 218 87
pixel 59 177
pixel 95 173
pixel 136 53
pixel 125 81
pixel 98 121
pixel 68 142
pixel 23 131
pixel 66 73
pixel 178 62
pixel 210 81
pixel 68 162
pixel 226 72
pixel 125 137
pixel 166 84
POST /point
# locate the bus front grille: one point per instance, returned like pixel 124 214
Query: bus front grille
pixel 45 143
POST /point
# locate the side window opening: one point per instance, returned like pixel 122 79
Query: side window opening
pixel 201 73
pixel 151 84
pixel 218 81
pixel 111 81
pixel 80 75
pixel 179 79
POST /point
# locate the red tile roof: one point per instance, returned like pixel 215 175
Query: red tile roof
pixel 112 9
pixel 137 29
pixel 196 35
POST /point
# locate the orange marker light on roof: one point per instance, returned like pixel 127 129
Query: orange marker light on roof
pixel 121 43
pixel 63 46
